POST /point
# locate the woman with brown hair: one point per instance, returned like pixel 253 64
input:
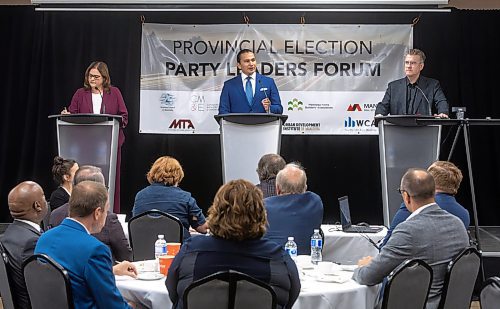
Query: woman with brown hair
pixel 237 221
pixel 164 194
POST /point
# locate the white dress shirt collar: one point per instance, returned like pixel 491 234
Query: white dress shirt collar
pixel 416 212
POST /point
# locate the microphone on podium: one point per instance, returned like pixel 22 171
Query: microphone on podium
pixel 425 97
pixel 102 100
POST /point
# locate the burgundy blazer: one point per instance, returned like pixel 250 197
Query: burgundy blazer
pixel 81 103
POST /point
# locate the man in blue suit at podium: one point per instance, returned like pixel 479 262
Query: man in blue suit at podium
pixel 249 92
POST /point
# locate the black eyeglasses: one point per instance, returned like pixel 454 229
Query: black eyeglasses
pixel 401 191
pixel 94 76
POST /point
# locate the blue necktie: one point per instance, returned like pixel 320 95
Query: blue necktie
pixel 249 91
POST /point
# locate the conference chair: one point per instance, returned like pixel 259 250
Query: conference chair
pixel 490 293
pixel 229 290
pixel 143 231
pixel 47 283
pixel 5 290
pixel 408 286
pixel 460 279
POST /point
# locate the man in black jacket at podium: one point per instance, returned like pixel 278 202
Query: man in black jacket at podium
pixel 414 94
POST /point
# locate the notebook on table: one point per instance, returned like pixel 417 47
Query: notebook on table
pixel 345 220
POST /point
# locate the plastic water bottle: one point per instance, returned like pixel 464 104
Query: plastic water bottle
pixel 291 248
pixel 160 249
pixel 316 246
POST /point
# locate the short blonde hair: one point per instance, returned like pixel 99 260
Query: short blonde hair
pixel 166 170
pixel 237 212
pixel 447 176
pixel 416 52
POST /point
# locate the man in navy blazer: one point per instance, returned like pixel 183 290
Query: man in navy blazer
pixel 413 94
pixel 87 260
pixel 294 211
pixel 249 92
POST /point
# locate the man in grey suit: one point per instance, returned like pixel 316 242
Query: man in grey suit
pixel 28 207
pixel 430 234
pixel 112 233
pixel 413 94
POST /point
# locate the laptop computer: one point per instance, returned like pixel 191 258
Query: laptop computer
pixel 345 220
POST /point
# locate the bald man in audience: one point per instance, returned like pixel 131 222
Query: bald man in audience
pixel 447 177
pixel 27 205
pixel 87 260
pixel 112 233
pixel 430 234
pixel 268 167
pixel 294 211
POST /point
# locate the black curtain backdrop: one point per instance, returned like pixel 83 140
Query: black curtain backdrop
pixel 47 53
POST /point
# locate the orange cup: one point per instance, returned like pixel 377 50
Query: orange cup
pixel 173 248
pixel 165 261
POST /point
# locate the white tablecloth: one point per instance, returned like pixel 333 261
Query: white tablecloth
pixel 348 248
pixel 314 295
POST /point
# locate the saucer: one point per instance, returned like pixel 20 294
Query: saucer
pixel 148 276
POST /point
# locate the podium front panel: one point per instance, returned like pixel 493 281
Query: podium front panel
pixel 91 144
pixel 401 148
pixel 243 145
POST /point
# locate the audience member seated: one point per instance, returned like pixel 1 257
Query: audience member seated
pixel 430 234
pixel 87 260
pixel 112 233
pixel 164 194
pixel 237 222
pixel 294 211
pixel 63 172
pixel 447 178
pixel 28 207
pixel 267 169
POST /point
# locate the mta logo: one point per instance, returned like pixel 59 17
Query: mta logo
pixel 181 124
pixel 167 100
pixel 352 123
pixel 295 104
pixel 354 108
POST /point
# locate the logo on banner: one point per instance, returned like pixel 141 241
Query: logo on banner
pixel 370 106
pixel 183 124
pixel 354 108
pixel 197 103
pixel 295 104
pixel 357 123
pixel 167 101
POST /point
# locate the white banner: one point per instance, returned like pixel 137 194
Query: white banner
pixel 330 77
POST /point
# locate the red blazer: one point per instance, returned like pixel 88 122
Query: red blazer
pixel 81 103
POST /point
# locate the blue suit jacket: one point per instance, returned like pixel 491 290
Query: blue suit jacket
pixel 88 262
pixel 445 201
pixel 294 215
pixel 234 100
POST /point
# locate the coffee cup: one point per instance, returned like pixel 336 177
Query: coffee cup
pixel 165 261
pixel 173 248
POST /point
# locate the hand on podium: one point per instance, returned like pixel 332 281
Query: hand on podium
pixel 65 111
pixel 441 115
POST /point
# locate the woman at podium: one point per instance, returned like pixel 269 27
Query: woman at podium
pixel 98 97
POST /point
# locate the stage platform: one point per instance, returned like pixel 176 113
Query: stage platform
pixel 489 237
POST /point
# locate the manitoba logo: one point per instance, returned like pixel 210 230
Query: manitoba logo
pixel 295 104
pixel 167 100
pixel 354 108
pixel 181 124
